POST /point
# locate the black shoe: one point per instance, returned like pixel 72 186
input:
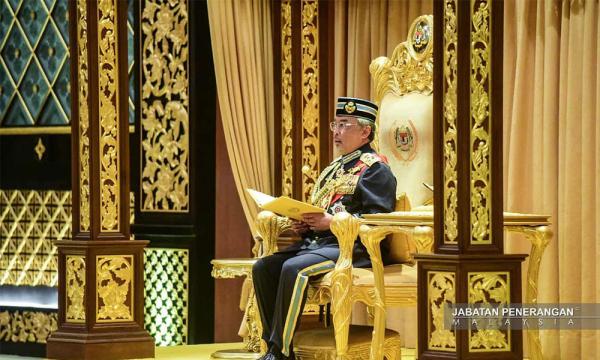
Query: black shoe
pixel 272 355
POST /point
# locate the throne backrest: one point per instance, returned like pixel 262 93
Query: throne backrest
pixel 404 92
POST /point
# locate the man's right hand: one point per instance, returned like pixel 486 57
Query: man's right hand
pixel 300 227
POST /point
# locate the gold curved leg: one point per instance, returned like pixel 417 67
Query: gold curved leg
pixel 540 238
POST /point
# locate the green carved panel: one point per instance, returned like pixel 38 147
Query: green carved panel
pixel 34 63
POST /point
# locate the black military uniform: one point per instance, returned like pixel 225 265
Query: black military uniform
pixel 358 183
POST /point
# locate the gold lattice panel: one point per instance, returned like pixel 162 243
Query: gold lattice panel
pixel 166 295
pixel 29 222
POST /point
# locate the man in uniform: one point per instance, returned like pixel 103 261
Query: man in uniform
pixel 358 182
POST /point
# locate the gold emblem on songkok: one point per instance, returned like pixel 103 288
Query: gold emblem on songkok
pixel 350 107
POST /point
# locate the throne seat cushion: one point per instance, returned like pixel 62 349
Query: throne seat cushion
pixel 394 275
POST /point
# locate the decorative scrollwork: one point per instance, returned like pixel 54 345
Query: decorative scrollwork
pixel 286 100
pixel 442 291
pixel 481 205
pixel 165 106
pixel 407 70
pixel 310 96
pixel 450 113
pixel 269 226
pixel 84 118
pixel 27 326
pixel 345 227
pixel 487 288
pixel 114 288
pixel 75 288
pixel 108 85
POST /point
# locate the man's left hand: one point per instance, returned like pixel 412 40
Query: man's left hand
pixel 318 221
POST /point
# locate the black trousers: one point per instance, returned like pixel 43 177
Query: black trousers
pixel 280 282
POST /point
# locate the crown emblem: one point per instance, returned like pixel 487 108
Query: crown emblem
pixel 350 107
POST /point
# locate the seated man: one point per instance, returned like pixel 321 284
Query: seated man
pixel 357 182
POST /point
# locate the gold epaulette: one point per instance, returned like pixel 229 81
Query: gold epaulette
pixel 369 158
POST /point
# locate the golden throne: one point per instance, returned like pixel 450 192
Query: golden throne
pixel 403 89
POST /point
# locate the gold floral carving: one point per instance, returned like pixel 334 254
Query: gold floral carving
pixel 310 96
pixel 27 326
pixel 75 288
pixel 480 123
pixel 449 122
pixel 406 70
pixel 286 100
pixel 442 291
pixel 108 85
pixel 489 288
pixel 84 119
pixel 165 106
pixel 114 288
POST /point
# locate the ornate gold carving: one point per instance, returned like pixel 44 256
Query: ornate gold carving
pixel 450 113
pixel 27 326
pixel 310 96
pixel 345 227
pixel 407 70
pixel 269 226
pixel 442 291
pixel 108 85
pixel 40 149
pixel 371 237
pixel 84 119
pixel 166 286
pixel 29 222
pixel 489 288
pixel 423 238
pixel 286 100
pixel 114 288
pixel 481 201
pixel 540 238
pixel 75 288
pixel 165 107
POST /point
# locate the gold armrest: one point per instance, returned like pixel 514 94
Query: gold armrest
pixel 269 226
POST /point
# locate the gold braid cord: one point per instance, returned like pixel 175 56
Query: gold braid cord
pixel 345 227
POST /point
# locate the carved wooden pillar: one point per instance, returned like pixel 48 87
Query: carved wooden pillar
pixel 303 72
pixel 100 270
pixel 468 265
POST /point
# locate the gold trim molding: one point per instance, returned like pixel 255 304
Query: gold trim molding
pixel 164 148
pixel 310 96
pixel 114 288
pixel 108 85
pixel 481 120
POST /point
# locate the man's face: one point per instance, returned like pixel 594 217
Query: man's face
pixel 348 135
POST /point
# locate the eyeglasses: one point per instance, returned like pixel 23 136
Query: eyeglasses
pixel 342 126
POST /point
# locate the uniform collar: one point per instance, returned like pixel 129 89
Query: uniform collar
pixel 355 154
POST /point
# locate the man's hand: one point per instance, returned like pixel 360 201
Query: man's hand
pixel 300 227
pixel 318 221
